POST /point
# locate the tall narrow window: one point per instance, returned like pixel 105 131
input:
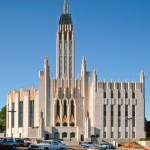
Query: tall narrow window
pixel 104 94
pixel 133 94
pixel 65 122
pixel 20 121
pixel 57 113
pixel 104 115
pixel 13 115
pixel 112 115
pixel 65 66
pixel 112 95
pixel 65 108
pixel 133 115
pixel 60 66
pixel 119 94
pixel 31 113
pixel 72 107
pixel 58 108
pixel 126 115
pixel 119 115
pixel 126 94
pixel 72 119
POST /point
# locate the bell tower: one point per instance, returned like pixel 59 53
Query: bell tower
pixel 65 45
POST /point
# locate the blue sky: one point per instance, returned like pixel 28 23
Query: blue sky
pixel 113 35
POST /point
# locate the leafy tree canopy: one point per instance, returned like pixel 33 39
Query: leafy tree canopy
pixel 3 119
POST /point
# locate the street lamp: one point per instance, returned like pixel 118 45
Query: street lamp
pixel 129 130
pixel 12 111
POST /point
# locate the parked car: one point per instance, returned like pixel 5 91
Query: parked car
pixel 105 146
pixel 87 144
pixel 28 141
pixel 13 142
pixel 48 145
pixel 95 148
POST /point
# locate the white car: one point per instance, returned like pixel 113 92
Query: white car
pixel 48 145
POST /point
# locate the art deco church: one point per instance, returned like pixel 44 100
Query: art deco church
pixel 76 109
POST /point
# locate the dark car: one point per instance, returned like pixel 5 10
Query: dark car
pixel 10 142
pixel 105 146
pixel 87 144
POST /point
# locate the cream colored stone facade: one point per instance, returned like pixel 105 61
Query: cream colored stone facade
pixel 76 109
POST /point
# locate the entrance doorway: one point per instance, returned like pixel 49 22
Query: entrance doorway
pixel 47 137
pixel 82 137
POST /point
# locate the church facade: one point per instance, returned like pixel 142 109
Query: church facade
pixel 76 109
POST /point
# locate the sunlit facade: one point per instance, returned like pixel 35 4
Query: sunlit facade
pixel 76 109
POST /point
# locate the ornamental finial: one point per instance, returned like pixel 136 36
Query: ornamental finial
pixel 65 9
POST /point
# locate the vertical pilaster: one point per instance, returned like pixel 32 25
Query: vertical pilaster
pixel 63 45
pixel 123 120
pixel 10 118
pixel 108 124
pixel 116 121
pixel 68 56
pixel 26 114
pixel 73 54
pixel 75 112
pixel 61 114
pixel 130 116
pixel 47 84
pixel 57 54
pixel 16 114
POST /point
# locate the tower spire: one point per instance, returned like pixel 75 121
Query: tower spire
pixel 65 9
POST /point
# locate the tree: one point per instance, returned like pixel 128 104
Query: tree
pixel 3 119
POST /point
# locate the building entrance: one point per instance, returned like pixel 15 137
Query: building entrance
pixel 82 137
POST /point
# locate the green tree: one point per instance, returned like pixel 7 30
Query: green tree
pixel 3 119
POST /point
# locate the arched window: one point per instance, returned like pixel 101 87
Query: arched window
pixel 72 135
pixel 65 124
pixel 72 117
pixel 57 122
pixel 65 120
pixel 72 124
pixel 64 135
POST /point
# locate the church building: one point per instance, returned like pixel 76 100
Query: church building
pixel 76 109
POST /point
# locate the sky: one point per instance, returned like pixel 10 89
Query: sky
pixel 113 35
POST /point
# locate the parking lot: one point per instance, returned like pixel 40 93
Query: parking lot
pixel 73 147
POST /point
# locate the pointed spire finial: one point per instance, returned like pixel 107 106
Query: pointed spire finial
pixel 65 9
